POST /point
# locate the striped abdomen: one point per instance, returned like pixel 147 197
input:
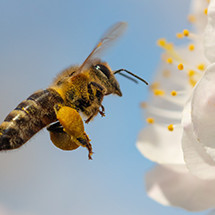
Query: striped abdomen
pixel 28 118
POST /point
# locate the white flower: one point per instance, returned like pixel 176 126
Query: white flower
pixel 180 136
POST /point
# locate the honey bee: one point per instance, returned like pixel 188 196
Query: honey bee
pixel 78 89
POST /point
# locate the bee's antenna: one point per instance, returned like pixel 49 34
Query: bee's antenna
pixel 121 70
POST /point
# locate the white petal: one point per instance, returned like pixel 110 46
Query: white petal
pixel 159 144
pixel 174 185
pixel 197 9
pixel 203 111
pixel 209 39
pixel 197 160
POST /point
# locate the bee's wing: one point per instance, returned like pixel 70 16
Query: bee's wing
pixel 105 42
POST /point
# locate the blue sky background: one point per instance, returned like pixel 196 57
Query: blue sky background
pixel 37 40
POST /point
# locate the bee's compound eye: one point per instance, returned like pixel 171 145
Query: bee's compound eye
pixel 103 69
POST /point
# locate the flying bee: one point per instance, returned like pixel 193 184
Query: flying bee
pixel 78 89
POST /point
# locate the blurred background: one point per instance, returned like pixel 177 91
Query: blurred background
pixel 37 40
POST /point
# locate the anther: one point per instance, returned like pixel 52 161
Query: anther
pixel 170 127
pixel 186 32
pixel 191 47
pixel 180 66
pixel 174 93
pixel 158 92
pixel 201 67
pixel 150 120
pixel 169 60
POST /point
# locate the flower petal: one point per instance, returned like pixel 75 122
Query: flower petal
pixel 209 36
pixel 197 160
pixel 174 185
pixel 197 9
pixel 203 111
pixel 159 144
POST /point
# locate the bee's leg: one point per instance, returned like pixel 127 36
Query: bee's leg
pixel 102 112
pixel 96 92
pixel 73 129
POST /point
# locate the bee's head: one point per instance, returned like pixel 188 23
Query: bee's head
pixel 107 78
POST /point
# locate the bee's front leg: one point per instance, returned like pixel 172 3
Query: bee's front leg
pixel 71 134
pixel 96 95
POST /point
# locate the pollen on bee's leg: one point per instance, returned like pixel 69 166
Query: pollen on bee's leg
pixel 170 127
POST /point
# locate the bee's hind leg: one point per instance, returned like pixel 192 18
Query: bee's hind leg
pixel 73 129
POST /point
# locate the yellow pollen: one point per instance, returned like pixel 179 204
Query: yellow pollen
pixel 206 11
pixel 186 33
pixel 150 120
pixel 201 67
pixel 170 127
pixel 161 42
pixel 174 93
pixel 179 35
pixel 191 47
pixel 180 66
pixel 169 60
pixel 191 73
pixel 191 18
pixel 158 92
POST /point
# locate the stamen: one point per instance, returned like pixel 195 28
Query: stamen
pixel 161 42
pixel 205 11
pixel 169 60
pixel 180 66
pixel 191 73
pixel 179 35
pixel 158 92
pixel 170 127
pixel 174 93
pixel 192 82
pixel 201 67
pixel 150 120
pixel 191 18
pixel 186 32
pixel 191 47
